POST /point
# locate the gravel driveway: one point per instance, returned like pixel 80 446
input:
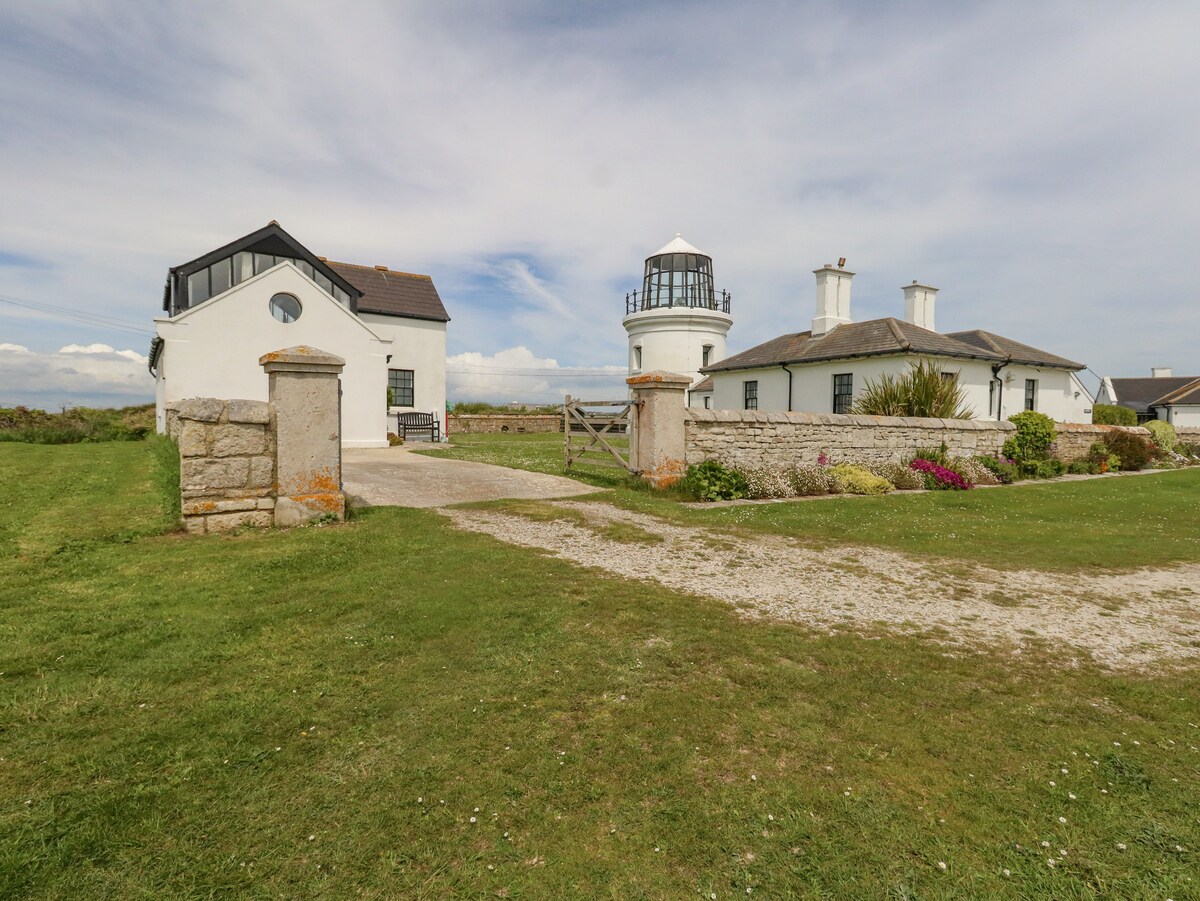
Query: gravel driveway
pixel 1130 620
pixel 394 476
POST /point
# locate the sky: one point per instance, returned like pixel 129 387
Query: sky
pixel 1037 162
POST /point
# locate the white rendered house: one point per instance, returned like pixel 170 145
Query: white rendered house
pixel 265 292
pixel 823 369
pixel 1171 398
pixel 679 322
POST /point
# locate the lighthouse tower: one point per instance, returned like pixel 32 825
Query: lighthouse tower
pixel 677 322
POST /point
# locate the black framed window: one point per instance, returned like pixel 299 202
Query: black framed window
pixel 400 387
pixel 678 280
pixel 706 355
pixel 1031 394
pixel 750 395
pixel 843 392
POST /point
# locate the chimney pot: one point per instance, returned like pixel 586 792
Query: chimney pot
pixel 1160 372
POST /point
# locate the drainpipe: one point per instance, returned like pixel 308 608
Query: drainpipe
pixel 1000 389
pixel 789 372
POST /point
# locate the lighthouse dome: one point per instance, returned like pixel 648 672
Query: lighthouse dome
pixel 678 275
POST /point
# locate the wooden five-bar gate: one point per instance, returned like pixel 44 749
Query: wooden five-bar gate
pixel 591 425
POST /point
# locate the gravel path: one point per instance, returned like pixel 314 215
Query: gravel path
pixel 1126 621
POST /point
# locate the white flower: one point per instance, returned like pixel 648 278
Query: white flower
pixel 941 864
pixel 1064 770
pixel 1063 820
pixel 753 778
pixel 472 819
pixel 1071 796
pixel 1050 861
pixel 1052 783
pixel 1045 844
pixel 1120 846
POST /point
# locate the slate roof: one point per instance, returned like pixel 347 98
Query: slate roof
pixel 393 293
pixel 1014 350
pixel 705 384
pixel 887 337
pixel 1188 394
pixel 1143 393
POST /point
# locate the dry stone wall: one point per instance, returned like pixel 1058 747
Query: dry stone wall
pixel 752 438
pixel 227 463
pixel 473 423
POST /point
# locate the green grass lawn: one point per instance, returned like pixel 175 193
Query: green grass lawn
pixel 394 709
pixel 1120 522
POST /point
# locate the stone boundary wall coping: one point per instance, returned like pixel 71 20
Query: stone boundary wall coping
pixel 842 419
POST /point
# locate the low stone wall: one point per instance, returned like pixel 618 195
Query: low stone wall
pixel 1188 434
pixel 471 423
pixel 1073 440
pixel 751 438
pixel 227 463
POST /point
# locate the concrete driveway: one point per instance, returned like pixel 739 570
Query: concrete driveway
pixel 394 476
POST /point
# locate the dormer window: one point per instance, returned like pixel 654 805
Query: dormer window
pixel 225 274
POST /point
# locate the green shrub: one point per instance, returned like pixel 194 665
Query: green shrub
pixel 1188 449
pixel 1035 434
pixel 76 425
pixel 1004 470
pixel 1081 468
pixel 1162 434
pixel 938 455
pixel 859 480
pixel 922 391
pixel 898 474
pixel 1041 469
pixel 1134 451
pixel 1111 414
pixel 807 481
pixel 710 481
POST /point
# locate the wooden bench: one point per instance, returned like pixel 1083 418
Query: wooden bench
pixel 420 423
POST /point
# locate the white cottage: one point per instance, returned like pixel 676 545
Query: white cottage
pixel 267 291
pixel 823 369
pixel 1171 398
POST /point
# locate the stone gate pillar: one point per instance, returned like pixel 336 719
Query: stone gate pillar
pixel 306 419
pixel 657 443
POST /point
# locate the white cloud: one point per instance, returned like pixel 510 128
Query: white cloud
pixel 517 374
pixel 96 374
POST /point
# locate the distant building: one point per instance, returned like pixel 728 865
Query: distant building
pixel 265 292
pixel 823 369
pixel 1171 398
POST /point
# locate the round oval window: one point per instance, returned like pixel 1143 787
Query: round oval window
pixel 285 308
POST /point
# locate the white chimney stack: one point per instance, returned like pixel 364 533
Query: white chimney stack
pixel 1160 372
pixel 918 305
pixel 833 298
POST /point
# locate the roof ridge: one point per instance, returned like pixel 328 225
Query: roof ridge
pixel 377 269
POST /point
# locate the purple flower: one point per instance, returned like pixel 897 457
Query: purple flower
pixel 822 459
pixel 948 478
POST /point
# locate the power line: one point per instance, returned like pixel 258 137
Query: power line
pixel 110 322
